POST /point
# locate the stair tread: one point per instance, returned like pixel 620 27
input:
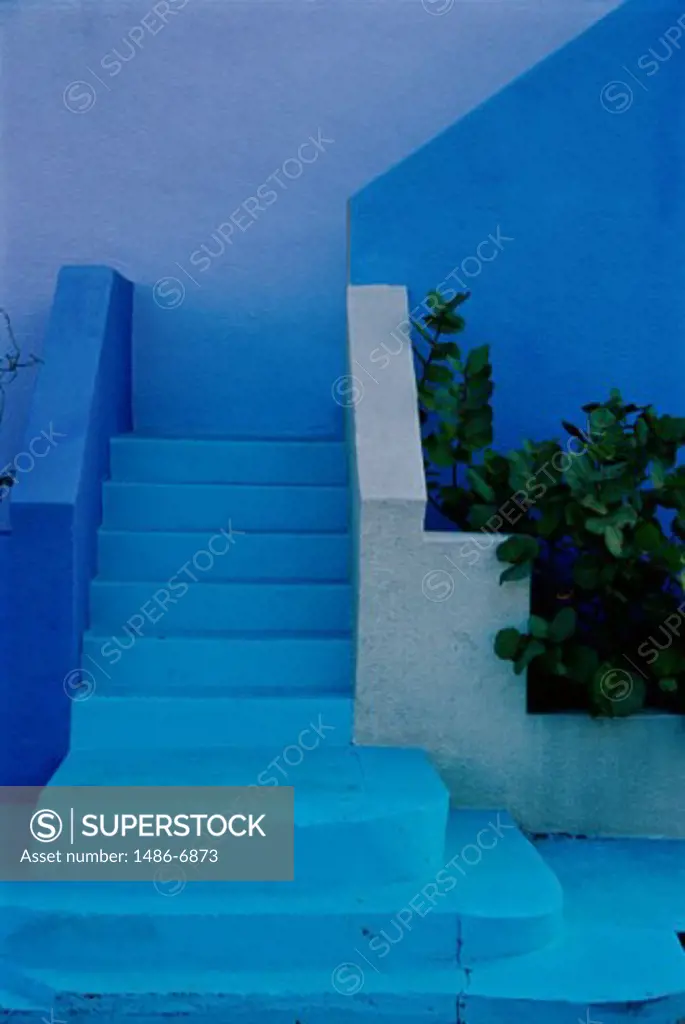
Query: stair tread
pixel 113 531
pixel 173 485
pixel 536 891
pixel 398 775
pixel 636 965
pixel 205 583
pixel 137 436
pixel 237 636
pixel 565 973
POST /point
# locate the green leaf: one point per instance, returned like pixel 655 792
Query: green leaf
pixel 589 501
pixel 445 349
pixel 582 662
pixel 439 450
pixel 507 644
pixel 458 299
pixel 478 359
pixel 613 538
pixel 516 572
pixel 672 428
pixel 478 392
pixel 670 662
pixel 439 374
pixel 612 472
pixel 617 692
pixel 478 422
pixel 648 537
pixel 586 572
pixel 434 301
pixel 563 625
pixel 480 515
pixel 518 549
pixel 668 685
pixel 658 474
pixel 480 486
pixel 426 398
pixel 600 420
pixel 533 650
pixel 641 431
pixel 538 627
pixel 551 519
pixel 449 323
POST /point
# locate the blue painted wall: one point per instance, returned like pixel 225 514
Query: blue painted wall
pixel 141 162
pixel 586 182
pixel 82 397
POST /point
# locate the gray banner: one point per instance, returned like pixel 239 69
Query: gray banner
pixel 140 833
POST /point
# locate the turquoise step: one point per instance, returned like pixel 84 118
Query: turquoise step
pixel 235 665
pixel 499 919
pixel 182 723
pixel 258 996
pixel 157 609
pixel 167 460
pixel 249 508
pixel 465 909
pixel 125 555
pixel 362 814
pixel 223 924
pixel 592 974
pixel 588 976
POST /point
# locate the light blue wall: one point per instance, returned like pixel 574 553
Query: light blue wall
pixel 590 290
pixel 204 111
pixel 82 398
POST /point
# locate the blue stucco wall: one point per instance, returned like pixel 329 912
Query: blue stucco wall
pixel 585 182
pixel 146 161
pixel 82 397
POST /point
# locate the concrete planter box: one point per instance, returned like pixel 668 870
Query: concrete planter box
pixel 429 606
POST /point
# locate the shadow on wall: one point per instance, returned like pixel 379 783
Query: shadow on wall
pixel 577 168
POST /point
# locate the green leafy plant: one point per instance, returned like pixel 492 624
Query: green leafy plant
pixel 598 523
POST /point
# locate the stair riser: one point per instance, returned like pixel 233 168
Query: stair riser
pixel 152 460
pixel 294 723
pixel 210 507
pixel 134 610
pixel 199 667
pixel 158 556
pixel 210 941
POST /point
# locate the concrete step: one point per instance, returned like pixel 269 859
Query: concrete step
pixel 202 507
pixel 323 996
pixel 149 555
pixel 187 723
pixel 362 814
pixel 270 461
pixel 135 609
pixel 467 908
pixel 593 977
pixel 200 666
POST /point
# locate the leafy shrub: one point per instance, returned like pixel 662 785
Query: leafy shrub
pixel 598 523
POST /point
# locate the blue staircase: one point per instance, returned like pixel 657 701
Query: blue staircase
pixel 211 671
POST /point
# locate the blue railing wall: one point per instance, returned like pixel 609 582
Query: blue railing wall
pixel 82 397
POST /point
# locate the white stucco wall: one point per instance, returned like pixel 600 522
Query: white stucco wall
pixel 428 613
pixel 136 164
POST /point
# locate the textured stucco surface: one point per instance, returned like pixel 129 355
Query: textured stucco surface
pixel 429 607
